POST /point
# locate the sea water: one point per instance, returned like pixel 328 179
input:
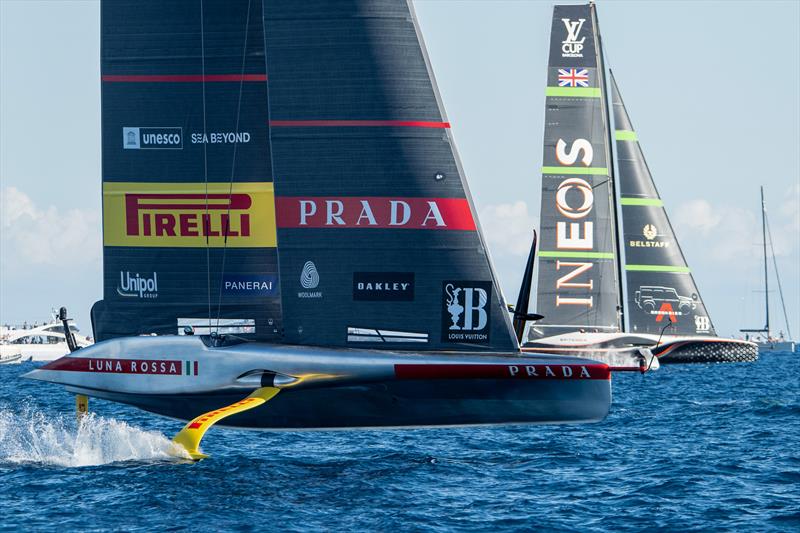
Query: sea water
pixel 685 448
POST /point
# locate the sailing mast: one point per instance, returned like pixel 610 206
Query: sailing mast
pixel 766 276
pixel 765 329
pixel 601 74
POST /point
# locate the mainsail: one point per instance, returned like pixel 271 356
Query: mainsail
pixel 578 285
pixel 188 208
pixel 660 286
pixel 379 240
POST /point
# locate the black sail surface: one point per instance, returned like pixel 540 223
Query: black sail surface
pixel 186 154
pixel 578 284
pixel 660 286
pixel 379 241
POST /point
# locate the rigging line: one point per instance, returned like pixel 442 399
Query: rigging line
pixel 233 167
pixel 778 279
pixel 606 117
pixel 205 161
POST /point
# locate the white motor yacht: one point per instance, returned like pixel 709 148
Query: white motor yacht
pixel 44 342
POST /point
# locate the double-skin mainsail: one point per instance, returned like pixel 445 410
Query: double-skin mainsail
pixel 368 237
pixel 578 285
pixel 188 210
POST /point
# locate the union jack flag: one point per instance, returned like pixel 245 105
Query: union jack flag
pixel 572 77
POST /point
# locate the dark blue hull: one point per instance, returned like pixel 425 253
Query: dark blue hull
pixel 398 404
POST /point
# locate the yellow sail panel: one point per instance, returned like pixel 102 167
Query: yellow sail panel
pixel 186 214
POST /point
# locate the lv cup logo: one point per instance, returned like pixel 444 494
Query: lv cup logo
pixel 571 46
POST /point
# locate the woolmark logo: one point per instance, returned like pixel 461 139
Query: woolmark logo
pixel 137 286
pixel 309 279
pixel 571 46
pixel 152 138
pixel 465 311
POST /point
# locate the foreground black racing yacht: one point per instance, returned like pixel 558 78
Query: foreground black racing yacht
pixel 319 228
pixel 581 271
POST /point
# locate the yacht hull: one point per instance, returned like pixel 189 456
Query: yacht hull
pixel 777 346
pixel 182 377
pixel 9 356
pixel 617 348
pixel 395 404
pixel 706 350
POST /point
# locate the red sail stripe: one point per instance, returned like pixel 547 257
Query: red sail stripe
pixel 516 371
pixel 359 123
pixel 371 212
pixel 181 78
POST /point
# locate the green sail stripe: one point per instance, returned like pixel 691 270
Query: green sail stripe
pixel 579 255
pixel 625 135
pixel 658 268
pixel 641 201
pixel 576 92
pixel 599 171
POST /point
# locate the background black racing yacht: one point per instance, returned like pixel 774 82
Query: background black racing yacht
pixel 320 226
pixel 581 271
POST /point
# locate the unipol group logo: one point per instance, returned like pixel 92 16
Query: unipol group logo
pixel 465 311
pixel 136 286
pixel 241 215
pixel 134 138
pixel 309 279
pixel 572 46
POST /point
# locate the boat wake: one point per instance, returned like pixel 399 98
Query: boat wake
pixel 32 437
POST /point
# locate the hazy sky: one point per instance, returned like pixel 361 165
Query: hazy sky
pixel 711 87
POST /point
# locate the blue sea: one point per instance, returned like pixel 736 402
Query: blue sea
pixel 685 448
